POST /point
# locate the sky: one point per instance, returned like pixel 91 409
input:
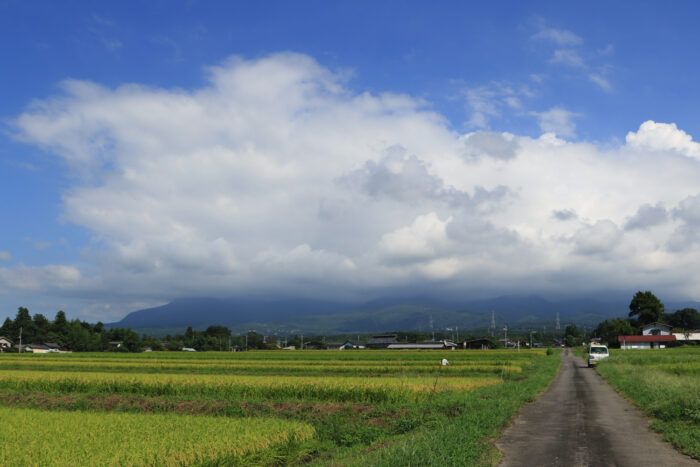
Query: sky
pixel 345 151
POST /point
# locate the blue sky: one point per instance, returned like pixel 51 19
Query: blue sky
pixel 485 148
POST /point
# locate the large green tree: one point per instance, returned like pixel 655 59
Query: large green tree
pixel 646 307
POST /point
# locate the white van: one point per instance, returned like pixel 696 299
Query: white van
pixel 597 352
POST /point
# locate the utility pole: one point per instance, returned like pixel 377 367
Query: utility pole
pixel 20 339
pixel 531 332
pixel 505 335
pixel 246 341
pixel 302 342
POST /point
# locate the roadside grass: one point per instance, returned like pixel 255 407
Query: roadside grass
pixel 665 385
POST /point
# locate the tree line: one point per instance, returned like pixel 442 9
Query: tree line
pixel 81 336
pixel 75 335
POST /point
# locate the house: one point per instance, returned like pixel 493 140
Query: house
pixel 53 347
pixel 382 341
pixel 654 336
pixel 354 345
pixel 656 329
pixel 37 348
pixel 345 345
pixel 5 344
pixel 115 345
pixel 645 341
pixel 428 345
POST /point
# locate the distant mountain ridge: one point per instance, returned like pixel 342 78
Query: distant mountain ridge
pixel 416 314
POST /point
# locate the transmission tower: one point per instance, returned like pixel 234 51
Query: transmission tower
pixel 493 322
pixel 558 323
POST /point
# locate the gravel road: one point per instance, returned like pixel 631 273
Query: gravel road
pixel 579 421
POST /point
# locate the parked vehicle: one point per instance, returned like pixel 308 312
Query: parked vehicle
pixel 596 352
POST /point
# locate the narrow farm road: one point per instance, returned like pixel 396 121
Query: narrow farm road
pixel 581 421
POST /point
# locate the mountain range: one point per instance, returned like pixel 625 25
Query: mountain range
pixel 388 314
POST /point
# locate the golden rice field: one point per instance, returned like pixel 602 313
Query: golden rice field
pixel 41 438
pixel 261 408
pixel 340 388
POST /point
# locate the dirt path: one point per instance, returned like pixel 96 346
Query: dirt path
pixel 579 421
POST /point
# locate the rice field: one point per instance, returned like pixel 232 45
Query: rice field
pixel 124 439
pixel 261 408
pixel 665 384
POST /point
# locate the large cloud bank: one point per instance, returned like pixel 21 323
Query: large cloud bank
pixel 276 177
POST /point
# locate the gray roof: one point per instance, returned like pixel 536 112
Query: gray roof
pixel 417 346
pixel 383 339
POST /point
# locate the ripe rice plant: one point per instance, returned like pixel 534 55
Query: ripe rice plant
pixel 352 399
pixel 121 439
pixel 357 368
pixel 355 389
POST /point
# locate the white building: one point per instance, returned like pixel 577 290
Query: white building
pixel 688 336
pixel 656 329
pixel 5 343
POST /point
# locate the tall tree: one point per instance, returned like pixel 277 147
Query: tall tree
pixel 60 323
pixel 23 321
pixel 8 328
pixel 646 307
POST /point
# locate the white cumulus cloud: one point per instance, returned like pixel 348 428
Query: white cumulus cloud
pixel 663 137
pixel 276 177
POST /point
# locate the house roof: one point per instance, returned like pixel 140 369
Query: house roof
pixel 426 345
pixel 37 346
pixel 668 338
pixel 655 325
pixel 6 338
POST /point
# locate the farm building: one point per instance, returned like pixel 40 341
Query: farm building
pixel 382 341
pixel 645 342
pixel 439 345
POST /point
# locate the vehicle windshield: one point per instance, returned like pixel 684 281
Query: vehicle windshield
pixel 599 350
